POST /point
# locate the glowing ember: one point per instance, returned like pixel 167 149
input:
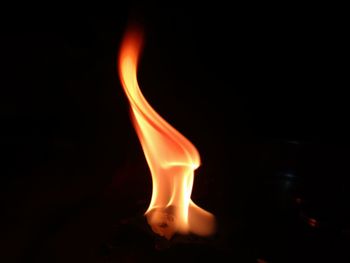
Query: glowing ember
pixel 313 222
pixel 171 158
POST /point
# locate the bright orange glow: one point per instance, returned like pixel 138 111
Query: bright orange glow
pixel 171 158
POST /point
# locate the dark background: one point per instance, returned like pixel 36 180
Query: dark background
pixel 258 90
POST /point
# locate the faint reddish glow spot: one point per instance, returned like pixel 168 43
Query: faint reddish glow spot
pixel 312 222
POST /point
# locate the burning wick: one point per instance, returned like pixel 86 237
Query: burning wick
pixel 171 158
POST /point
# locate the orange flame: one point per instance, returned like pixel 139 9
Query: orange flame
pixel 171 158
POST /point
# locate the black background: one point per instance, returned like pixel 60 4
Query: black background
pixel 258 90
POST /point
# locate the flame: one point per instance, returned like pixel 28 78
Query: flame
pixel 171 158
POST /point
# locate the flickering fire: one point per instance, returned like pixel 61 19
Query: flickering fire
pixel 171 157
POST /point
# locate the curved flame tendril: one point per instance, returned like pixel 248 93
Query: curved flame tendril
pixel 171 158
